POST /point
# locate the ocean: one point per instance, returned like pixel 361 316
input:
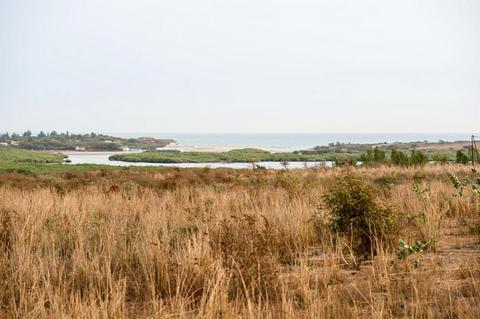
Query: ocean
pixel 292 141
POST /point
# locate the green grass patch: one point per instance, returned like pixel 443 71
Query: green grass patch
pixel 24 156
pixel 246 155
pixel 249 155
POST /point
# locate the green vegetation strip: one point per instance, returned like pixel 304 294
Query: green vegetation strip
pixel 233 156
pixel 255 155
pixel 24 156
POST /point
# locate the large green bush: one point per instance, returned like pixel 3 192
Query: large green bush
pixel 358 217
pixel 461 158
pixel 418 158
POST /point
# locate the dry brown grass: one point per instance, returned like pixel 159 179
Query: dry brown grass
pixel 206 243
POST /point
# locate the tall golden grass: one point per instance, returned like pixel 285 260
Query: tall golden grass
pixel 230 244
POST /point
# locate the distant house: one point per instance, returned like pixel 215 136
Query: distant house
pixel 80 148
pixel 125 149
pixel 13 143
pixel 3 144
pixel 108 142
pixel 147 139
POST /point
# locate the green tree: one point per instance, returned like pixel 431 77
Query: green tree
pixel 461 158
pixel 418 158
pixel 379 155
pixel 399 158
pixel 367 157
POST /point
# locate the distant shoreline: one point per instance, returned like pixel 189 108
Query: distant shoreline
pixel 79 153
pixel 420 145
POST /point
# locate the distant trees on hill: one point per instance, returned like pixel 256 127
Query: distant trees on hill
pixel 68 141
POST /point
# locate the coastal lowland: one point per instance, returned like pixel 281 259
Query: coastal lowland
pixel 397 153
pixel 153 150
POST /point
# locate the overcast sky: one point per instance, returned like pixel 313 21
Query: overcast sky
pixel 240 66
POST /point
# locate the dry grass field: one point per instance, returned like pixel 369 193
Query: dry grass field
pixel 202 243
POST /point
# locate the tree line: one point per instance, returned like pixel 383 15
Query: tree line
pixel 414 158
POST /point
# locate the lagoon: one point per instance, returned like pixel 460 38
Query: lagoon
pixel 101 158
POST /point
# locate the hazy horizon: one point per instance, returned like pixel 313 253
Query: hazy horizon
pixel 264 66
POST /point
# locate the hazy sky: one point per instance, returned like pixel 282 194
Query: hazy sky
pixel 240 66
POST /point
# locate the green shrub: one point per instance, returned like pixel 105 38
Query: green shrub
pixel 344 161
pixel 405 250
pixel 461 158
pixel 456 183
pixel 367 157
pixel 399 158
pixel 379 155
pixel 440 158
pixel 418 158
pixel 375 156
pixel 356 215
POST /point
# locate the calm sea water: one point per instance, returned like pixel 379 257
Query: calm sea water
pixel 293 141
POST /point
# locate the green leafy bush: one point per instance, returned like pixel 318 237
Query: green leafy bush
pixel 375 156
pixel 456 183
pixel 417 158
pixel 461 158
pixel 367 157
pixel 379 155
pixel 405 250
pixel 399 158
pixel 356 215
pixel 440 158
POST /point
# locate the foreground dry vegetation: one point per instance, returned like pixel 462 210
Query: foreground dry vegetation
pixel 320 243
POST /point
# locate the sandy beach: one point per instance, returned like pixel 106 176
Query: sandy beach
pixel 186 148
pixel 219 148
pixel 80 153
